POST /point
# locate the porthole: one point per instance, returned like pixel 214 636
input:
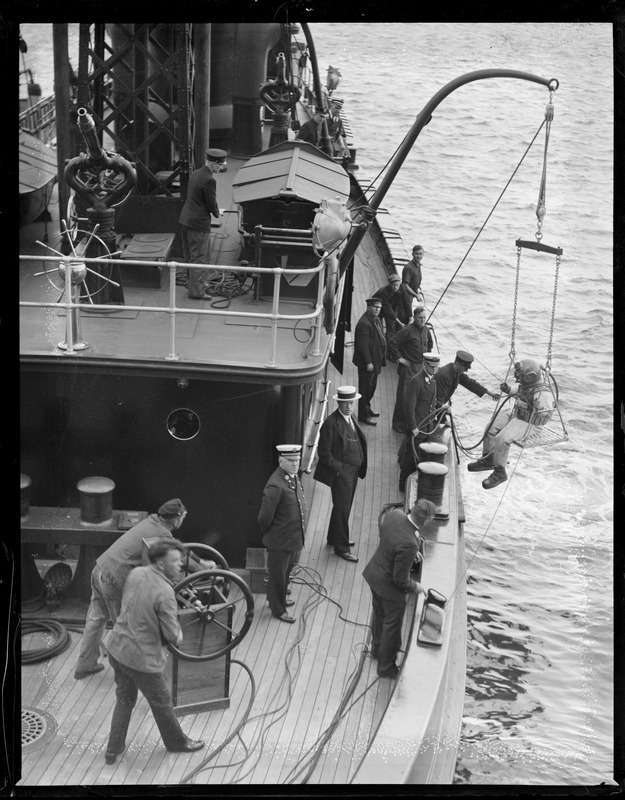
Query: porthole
pixel 183 424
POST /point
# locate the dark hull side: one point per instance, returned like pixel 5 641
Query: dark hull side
pixel 77 423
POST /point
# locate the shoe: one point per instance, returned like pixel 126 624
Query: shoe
pixel 289 603
pixel 190 746
pixel 392 672
pixel 495 478
pixel 367 421
pixel 347 556
pixel 83 673
pixel 350 544
pixel 285 617
pixel 481 465
pixel 111 755
pixel 375 413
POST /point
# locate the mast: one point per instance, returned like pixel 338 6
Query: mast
pixel 425 115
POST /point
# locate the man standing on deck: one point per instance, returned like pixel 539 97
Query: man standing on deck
pixel 312 131
pixel 411 277
pixel 420 400
pixel 407 348
pixel 195 219
pixel 342 460
pixel 369 351
pixel 336 131
pixel 388 576
pixel 112 569
pixel 282 519
pixel 454 373
pixel 391 307
pixel 148 621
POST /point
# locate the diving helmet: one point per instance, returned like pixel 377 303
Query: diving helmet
pixel 527 372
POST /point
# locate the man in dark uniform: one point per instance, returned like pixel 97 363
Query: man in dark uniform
pixel 312 131
pixel 369 351
pixel 342 460
pixel 195 219
pixel 111 571
pixel 138 649
pixel 419 402
pixel 407 347
pixel 388 576
pixel 282 519
pixel 391 307
pixel 454 373
pixel 336 131
pixel 411 277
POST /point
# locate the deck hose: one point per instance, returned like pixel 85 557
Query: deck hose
pixel 50 626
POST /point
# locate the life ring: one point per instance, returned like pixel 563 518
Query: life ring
pixel 329 294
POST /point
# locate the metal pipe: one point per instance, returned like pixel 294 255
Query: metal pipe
pixel 423 118
pixel 201 95
pixel 63 105
pixel 324 139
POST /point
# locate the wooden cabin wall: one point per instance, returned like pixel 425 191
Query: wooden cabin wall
pixel 77 424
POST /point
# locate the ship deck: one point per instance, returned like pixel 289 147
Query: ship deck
pixel 301 671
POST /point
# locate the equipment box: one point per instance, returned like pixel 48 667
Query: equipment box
pixel 256 564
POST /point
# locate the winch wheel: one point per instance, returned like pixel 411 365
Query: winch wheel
pixel 215 611
pixel 206 553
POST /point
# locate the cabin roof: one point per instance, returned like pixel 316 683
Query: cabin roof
pixel 291 170
pixel 37 163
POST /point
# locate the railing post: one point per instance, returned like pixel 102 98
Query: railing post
pixel 277 274
pixel 172 312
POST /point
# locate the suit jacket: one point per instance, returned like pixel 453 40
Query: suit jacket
pixel 201 201
pixel 369 343
pixel 420 400
pixel 391 301
pixel 388 571
pixel 332 444
pixel 283 513
pixel 447 380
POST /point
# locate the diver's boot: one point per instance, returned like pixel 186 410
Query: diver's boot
pixel 482 464
pixel 495 478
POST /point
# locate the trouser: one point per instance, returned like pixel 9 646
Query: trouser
pixel 343 491
pixel 154 688
pixel 399 412
pixel 501 435
pixel 279 566
pixel 105 604
pixel 406 456
pixel 196 248
pixel 367 383
pixel 386 622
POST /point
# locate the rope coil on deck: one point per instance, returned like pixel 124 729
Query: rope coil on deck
pixel 49 626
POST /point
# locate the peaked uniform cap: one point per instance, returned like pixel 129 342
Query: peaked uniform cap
pixel 289 449
pixel 464 357
pixel 171 509
pixel 215 154
pixel 432 358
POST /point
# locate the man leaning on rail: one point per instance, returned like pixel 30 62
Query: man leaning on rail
pixel 112 569
pixel 533 408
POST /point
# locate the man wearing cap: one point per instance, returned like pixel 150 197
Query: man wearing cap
pixel 449 376
pixel 369 351
pixel 111 571
pixel 411 277
pixel 282 519
pixel 420 402
pixel 312 131
pixel 336 131
pixel 407 347
pixel 388 576
pixel 195 219
pixel 391 307
pixel 342 460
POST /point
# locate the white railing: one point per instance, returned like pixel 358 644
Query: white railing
pixel 74 306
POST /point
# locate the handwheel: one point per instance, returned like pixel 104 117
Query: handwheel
pixel 215 610
pixel 210 553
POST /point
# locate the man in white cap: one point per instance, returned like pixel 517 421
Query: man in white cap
pixel 369 352
pixel 282 519
pixel 449 376
pixel 342 460
pixel 111 571
pixel 195 219
pixel 391 307
pixel 420 402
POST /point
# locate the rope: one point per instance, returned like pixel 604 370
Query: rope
pixel 516 169
pixel 50 626
pixel 553 315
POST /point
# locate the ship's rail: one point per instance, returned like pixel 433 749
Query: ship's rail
pixel 40 119
pixel 73 306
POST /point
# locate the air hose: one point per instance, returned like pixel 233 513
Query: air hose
pixel 49 626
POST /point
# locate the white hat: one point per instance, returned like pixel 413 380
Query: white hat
pixel 346 393
pixel 289 449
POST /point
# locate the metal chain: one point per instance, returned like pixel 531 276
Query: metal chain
pixel 553 314
pixel 516 298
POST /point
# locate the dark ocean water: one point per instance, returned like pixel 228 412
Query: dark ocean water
pixel 539 699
